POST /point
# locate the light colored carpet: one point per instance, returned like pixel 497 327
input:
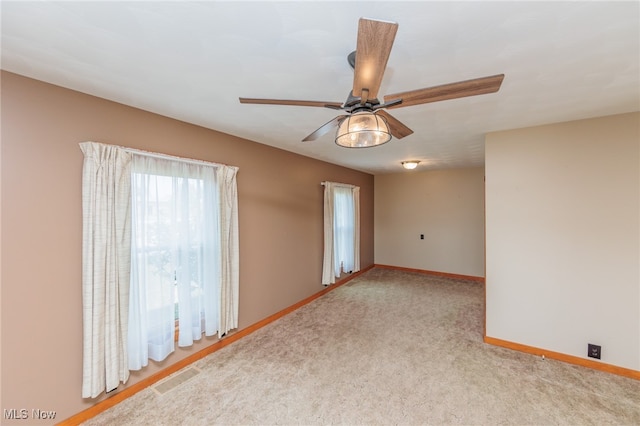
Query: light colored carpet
pixel 389 347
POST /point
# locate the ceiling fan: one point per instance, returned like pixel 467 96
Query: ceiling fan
pixel 366 123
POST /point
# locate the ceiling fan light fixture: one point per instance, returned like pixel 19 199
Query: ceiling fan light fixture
pixel 410 165
pixel 363 130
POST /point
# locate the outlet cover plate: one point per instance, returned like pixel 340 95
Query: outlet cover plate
pixel 594 351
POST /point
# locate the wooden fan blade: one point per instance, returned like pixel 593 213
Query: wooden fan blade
pixel 461 89
pixel 397 129
pixel 325 128
pixel 375 39
pixel 332 105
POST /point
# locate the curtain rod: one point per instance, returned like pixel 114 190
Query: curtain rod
pixel 348 185
pixel 174 158
pixel 163 156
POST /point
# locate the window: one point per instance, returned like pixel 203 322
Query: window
pixel 159 242
pixel 341 231
pixel 174 256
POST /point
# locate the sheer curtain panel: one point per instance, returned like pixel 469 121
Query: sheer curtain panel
pixel 106 235
pixel 184 255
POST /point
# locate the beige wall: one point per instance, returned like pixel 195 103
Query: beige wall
pixel 563 237
pixel 447 206
pixel 280 219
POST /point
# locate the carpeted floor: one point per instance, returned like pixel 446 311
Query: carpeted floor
pixel 389 347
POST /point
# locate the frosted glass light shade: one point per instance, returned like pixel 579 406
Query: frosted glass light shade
pixel 410 165
pixel 363 130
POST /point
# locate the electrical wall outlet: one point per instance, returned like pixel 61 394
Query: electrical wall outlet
pixel 594 351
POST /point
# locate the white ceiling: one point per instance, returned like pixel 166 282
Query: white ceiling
pixel 192 60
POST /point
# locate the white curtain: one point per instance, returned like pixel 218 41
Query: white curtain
pixel 341 231
pixel 229 291
pixel 184 255
pixel 156 230
pixel 106 229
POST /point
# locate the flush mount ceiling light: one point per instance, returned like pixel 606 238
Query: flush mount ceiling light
pixel 410 165
pixel 363 130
